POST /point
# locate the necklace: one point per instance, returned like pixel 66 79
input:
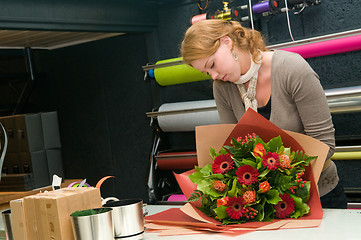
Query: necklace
pixel 248 96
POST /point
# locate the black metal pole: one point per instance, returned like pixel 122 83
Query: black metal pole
pixel 25 93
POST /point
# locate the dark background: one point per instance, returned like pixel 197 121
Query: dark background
pixel 99 91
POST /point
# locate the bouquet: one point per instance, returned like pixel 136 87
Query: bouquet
pixel 253 180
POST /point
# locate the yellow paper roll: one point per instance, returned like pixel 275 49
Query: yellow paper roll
pixel 177 74
pixel 346 156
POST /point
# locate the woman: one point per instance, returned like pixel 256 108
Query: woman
pixel 280 85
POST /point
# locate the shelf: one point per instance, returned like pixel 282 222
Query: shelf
pixel 18 39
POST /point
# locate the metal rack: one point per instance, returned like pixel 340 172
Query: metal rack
pixel 340 100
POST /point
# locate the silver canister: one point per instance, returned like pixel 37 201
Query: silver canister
pixel 93 224
pixel 6 215
pixel 128 218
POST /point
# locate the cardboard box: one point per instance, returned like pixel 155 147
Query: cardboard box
pixel 32 132
pixel 10 128
pixel 49 122
pixel 18 220
pixel 37 164
pixel 47 215
pixel 12 163
pixel 17 182
pixel 55 162
pixel 29 132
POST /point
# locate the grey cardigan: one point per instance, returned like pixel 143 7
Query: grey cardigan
pixel 298 104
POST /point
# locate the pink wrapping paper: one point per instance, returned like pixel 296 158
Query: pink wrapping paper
pixel 334 46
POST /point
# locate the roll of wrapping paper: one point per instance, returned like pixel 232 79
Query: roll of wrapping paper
pixel 328 47
pixel 177 74
pixel 186 122
pixel 346 156
pixel 176 160
pixel 177 198
pixel 198 18
pixel 261 7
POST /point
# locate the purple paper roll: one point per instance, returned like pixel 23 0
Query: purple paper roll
pixel 334 46
pixel 261 7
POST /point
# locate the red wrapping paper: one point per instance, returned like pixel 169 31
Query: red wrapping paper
pixel 216 136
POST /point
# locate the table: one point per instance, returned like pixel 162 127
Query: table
pixel 338 224
pixel 6 197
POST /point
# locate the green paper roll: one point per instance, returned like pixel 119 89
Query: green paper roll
pixel 177 74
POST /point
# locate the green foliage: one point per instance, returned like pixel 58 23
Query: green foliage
pixel 301 208
pixel 234 189
pixel 281 180
pixel 304 192
pixel 221 212
pixel 89 212
pixel 274 144
pixel 195 196
pixel 302 159
pixel 269 212
pixel 272 196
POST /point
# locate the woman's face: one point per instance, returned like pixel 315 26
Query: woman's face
pixel 222 65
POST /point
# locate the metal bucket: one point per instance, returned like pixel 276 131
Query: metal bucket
pixel 98 226
pixel 7 220
pixel 128 218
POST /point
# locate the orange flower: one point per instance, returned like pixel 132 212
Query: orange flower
pixel 219 186
pixel 259 150
pixel 222 202
pixel 285 161
pixel 264 186
pixel 249 196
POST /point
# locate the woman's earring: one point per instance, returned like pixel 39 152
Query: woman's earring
pixel 235 55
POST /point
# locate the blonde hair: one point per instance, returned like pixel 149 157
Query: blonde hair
pixel 202 39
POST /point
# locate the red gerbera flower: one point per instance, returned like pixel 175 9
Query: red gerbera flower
pixel 247 174
pixel 222 164
pixel 270 161
pixel 285 207
pixel 235 208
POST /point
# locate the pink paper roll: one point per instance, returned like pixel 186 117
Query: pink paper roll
pixel 177 198
pixel 198 18
pixel 334 46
